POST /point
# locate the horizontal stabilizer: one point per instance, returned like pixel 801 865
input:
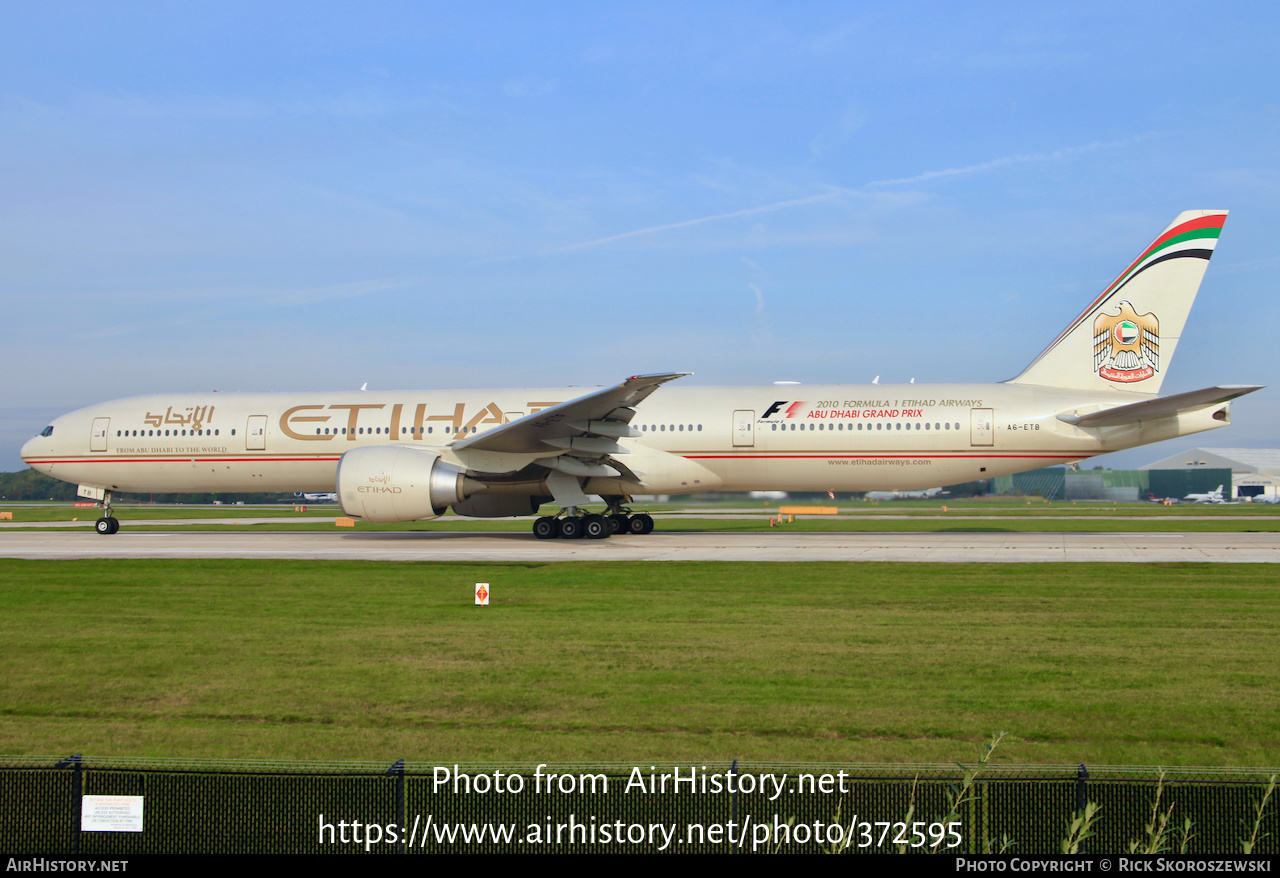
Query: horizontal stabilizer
pixel 1160 408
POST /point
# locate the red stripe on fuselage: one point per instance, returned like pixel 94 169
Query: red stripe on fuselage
pixel 819 456
pixel 186 459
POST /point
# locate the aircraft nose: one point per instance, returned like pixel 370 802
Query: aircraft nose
pixel 34 448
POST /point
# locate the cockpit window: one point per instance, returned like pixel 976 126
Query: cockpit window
pixel 47 431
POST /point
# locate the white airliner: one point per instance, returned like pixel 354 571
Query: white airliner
pixel 412 455
pixel 903 495
pixel 1214 496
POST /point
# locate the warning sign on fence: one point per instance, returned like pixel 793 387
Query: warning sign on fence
pixel 111 813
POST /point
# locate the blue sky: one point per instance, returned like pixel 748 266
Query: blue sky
pixel 307 196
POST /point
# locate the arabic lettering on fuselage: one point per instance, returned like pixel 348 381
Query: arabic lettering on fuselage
pixel 196 417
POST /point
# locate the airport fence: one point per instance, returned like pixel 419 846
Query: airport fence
pixel 188 806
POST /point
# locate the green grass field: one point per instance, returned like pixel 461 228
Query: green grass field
pixel 1095 663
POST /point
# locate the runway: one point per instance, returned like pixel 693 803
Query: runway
pixel 658 546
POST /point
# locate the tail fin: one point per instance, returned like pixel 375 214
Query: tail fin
pixel 1125 339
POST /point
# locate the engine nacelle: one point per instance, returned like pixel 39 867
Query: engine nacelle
pixel 387 483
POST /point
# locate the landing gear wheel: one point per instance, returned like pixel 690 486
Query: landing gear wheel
pixel 596 527
pixel 570 528
pixel 106 525
pixel 640 524
pixel 546 528
pixel 618 523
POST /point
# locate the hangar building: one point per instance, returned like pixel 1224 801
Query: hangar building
pixel 1255 472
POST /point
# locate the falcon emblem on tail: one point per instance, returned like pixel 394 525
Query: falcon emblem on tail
pixel 1126 346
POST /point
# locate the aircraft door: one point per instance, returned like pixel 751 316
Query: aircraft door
pixel 98 435
pixel 982 429
pixel 255 437
pixel 744 425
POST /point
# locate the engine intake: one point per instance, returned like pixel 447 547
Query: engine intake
pixel 387 483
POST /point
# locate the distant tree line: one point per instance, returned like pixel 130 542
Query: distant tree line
pixel 31 485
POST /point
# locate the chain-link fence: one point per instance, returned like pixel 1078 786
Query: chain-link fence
pixel 190 806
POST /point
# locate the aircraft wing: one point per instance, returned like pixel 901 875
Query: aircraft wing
pixel 587 424
pixel 1160 408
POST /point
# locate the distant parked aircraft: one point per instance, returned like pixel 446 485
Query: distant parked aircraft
pixel 1214 496
pixel 903 495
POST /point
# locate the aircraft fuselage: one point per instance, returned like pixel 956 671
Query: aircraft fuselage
pixel 825 437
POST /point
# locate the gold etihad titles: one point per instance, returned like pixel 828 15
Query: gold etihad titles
pixel 412 418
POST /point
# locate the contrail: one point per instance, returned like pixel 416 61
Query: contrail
pixel 994 163
pixel 1023 158
pixel 765 208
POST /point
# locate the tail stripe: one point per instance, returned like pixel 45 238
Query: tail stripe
pixel 1197 254
pixel 1194 238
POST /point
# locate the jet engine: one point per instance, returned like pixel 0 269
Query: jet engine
pixel 387 483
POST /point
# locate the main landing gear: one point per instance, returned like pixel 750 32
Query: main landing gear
pixel 107 524
pixel 573 526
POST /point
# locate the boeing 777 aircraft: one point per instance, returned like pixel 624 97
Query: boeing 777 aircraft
pixel 412 455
